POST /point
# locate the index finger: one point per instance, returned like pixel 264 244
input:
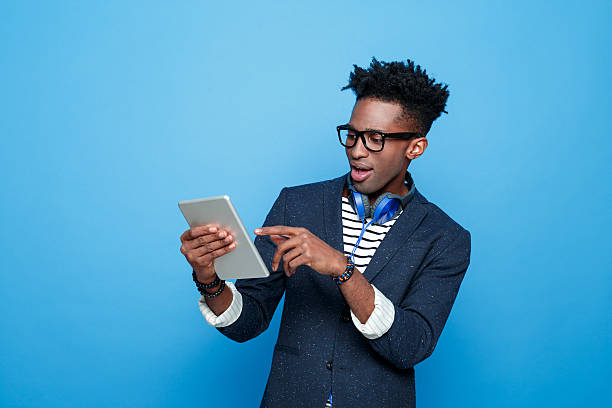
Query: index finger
pixel 195 232
pixel 278 230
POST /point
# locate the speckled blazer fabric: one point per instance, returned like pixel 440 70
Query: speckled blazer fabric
pixel 419 266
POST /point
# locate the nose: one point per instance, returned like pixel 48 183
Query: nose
pixel 358 150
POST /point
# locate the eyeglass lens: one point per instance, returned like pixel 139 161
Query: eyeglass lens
pixel 373 140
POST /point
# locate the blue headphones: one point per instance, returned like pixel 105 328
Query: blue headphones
pixel 385 207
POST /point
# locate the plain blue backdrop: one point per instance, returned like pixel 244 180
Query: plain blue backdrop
pixel 114 111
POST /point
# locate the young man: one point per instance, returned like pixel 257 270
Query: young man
pixel 369 267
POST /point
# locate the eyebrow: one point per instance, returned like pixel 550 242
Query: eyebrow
pixel 366 129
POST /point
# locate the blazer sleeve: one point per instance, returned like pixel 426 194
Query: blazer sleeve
pixel 260 296
pixel 422 314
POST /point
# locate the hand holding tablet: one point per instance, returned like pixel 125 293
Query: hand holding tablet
pixel 218 242
pixel 201 245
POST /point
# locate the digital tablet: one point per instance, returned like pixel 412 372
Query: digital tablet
pixel 244 261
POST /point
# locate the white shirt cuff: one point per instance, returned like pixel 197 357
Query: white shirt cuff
pixel 229 316
pixel 380 320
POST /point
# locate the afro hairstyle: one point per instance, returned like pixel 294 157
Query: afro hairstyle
pixel 420 96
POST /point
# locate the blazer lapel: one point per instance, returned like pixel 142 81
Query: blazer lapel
pixel 397 236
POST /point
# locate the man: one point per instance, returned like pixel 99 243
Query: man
pixel 369 267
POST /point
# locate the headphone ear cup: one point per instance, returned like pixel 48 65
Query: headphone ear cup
pixel 358 204
pixel 386 206
pixel 366 206
pixel 379 199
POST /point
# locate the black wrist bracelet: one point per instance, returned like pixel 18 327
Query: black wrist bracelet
pixel 205 285
pixel 212 295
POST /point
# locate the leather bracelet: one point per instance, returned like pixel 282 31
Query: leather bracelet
pixel 205 285
pixel 209 295
pixel 348 272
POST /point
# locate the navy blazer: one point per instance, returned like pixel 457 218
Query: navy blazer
pixel 419 266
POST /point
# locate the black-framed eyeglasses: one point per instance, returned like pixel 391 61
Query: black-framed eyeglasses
pixel 373 140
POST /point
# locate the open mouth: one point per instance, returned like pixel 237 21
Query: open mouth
pixel 360 173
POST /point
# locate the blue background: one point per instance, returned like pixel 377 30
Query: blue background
pixel 114 111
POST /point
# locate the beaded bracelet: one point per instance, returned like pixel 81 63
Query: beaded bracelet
pixel 348 272
pixel 205 285
pixel 209 295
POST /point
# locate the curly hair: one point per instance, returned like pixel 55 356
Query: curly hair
pixel 411 87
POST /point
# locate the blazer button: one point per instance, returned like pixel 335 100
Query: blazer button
pixel 329 365
pixel 345 316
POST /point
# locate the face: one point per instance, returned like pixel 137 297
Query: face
pixel 374 173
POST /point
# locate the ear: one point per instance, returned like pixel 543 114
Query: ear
pixel 415 148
